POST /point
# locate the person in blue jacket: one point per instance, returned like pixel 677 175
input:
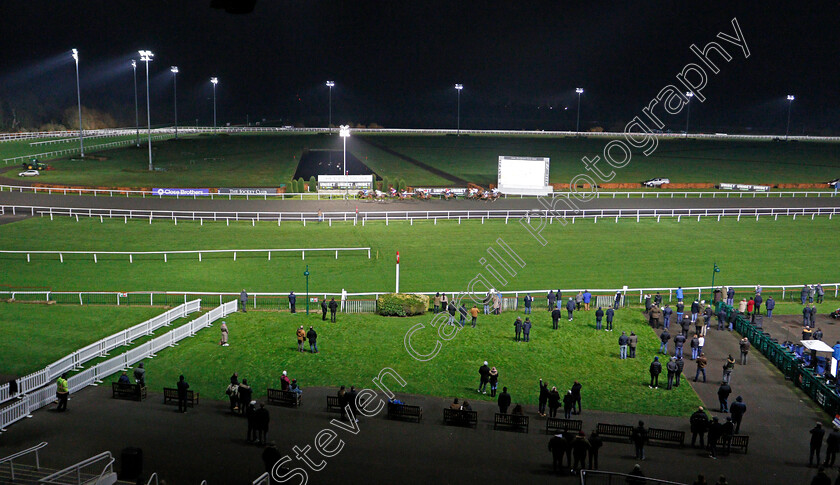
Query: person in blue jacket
pixel 679 293
pixel 587 297
pixel 599 315
pixel 770 305
pixel 292 300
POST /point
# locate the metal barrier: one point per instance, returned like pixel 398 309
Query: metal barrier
pixel 264 479
pixel 598 477
pixel 10 459
pixel 74 473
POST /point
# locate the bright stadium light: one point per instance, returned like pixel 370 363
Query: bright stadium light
pixel 459 87
pixel 136 108
pixel 790 99
pixel 214 81
pixel 174 70
pixel 79 98
pixel 330 84
pixel 146 56
pixel 688 95
pixel 579 91
pixel 344 133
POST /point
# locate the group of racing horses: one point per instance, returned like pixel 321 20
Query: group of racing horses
pixel 392 193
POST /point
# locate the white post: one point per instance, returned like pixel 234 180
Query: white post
pixel 398 273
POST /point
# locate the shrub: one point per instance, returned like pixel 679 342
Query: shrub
pixel 402 304
pixel 313 184
pixel 385 183
pixel 402 185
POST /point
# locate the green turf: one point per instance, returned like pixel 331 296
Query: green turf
pixel 19 148
pixel 353 351
pixel 35 336
pixel 441 257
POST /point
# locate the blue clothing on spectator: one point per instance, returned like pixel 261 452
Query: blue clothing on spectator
pixel 679 294
pixel 587 297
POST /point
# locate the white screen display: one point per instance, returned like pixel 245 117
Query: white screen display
pixel 523 172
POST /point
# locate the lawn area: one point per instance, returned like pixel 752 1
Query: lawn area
pixel 353 351
pixel 441 257
pixel 19 148
pixel 35 336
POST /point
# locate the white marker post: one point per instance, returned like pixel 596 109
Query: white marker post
pixel 398 272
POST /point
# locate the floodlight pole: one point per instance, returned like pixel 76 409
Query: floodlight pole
pixel 790 99
pixel 79 97
pixel 136 106
pixel 344 132
pixel 214 81
pixel 459 87
pixel 146 56
pixel 688 96
pixel 330 84
pixel 174 70
pixel 579 91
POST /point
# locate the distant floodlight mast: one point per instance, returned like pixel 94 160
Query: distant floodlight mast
pixel 688 95
pixel 579 91
pixel 79 97
pixel 214 81
pixel 344 132
pixel 174 70
pixel 330 84
pixel 136 108
pixel 790 99
pixel 146 56
pixel 459 87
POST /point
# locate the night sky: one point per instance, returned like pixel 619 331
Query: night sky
pixel 396 63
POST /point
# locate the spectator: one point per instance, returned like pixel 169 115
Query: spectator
pixel 699 422
pixel 707 319
pixel 679 294
pixel 333 308
pixel 666 315
pixel 695 310
pixel 437 302
pixel 657 299
pixel 182 387
pixel 820 293
pixel 551 299
pixel 821 478
pixel 744 345
pixel 526 330
pixel 803 294
pixel 466 406
pixel 568 404
pixel 245 393
pixel 595 443
pixel 678 374
pixel 680 312
pixel 679 341
pixel 723 396
pixel 738 409
pixel 817 434
pixel 631 344
pixel 636 476
pixel 576 387
pixel 580 448
pixel 553 401
pixel 655 370
pixel 451 310
pixel 664 337
pixel 715 433
pixel 543 397
pixel 233 392
pixel 462 314
pixel 727 431
pixel 557 446
pixel 444 304
pixel 610 316
pixel 694 344
pixel 639 437
pixel 623 340
pixel 578 300
pixel 312 336
pixel 243 300
pixel 528 300
pixel 617 300
pixel 250 410
pixel 811 294
pixel 671 367
pixel 701 342
pixel 140 375
pixel 730 296
pixel 455 404
pixel 474 315
pixel 224 341
pixel 262 418
pixel 497 304
pixel 728 366
pixel 750 306
pixel 284 382
pixel 555 318
pixel 484 377
pixel 758 300
pixel 488 300
pixel 294 387
pixel 570 308
pixel 655 314
pixel 504 401
pixel 324 310
pixel 123 380
pixel 301 338
pixel 770 305
pixel 701 480
pixel 832 446
pixel 494 381
pixel 351 397
pixel 342 402
pixel 599 315
pixel 742 306
pixel 701 367
pixel 587 297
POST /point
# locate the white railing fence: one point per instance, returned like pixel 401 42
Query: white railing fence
pixel 93 375
pixel 32 382
pixel 199 252
pixel 70 151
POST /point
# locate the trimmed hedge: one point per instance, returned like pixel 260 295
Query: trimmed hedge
pixel 401 304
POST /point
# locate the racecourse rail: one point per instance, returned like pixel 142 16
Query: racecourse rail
pixel 411 216
pixel 165 254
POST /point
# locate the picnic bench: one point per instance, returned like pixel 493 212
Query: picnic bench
pixel 460 417
pixel 284 398
pixel 516 422
pixel 614 430
pixel 552 425
pixel 333 403
pixel 405 411
pixel 171 394
pixel 667 435
pixel 740 441
pixel 135 392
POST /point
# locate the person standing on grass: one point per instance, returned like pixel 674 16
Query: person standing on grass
pixel 678 374
pixel 543 399
pixel 324 310
pixel 285 383
pixel 333 307
pixel 301 337
pixel 517 326
pixel 655 370
pixel 671 367
pixel 551 299
pixel 526 330
pixel 488 300
pixel 570 308
pixel 528 300
pixel 462 315
pixel 699 421
pixel 803 294
pixel 437 302
pixel 182 387
pixel 243 300
pixel 497 304
pixel 444 303
pixel 578 300
pixel 62 392
pixel 555 318
pixel 617 300
pixel 312 336
pixel 451 310
pixel 494 381
pixel 657 299
pixel 504 401
pixel 695 310
pixel 587 297
pixel 292 301
pixel 233 392
pixel 484 376
pixel 576 387
pixel 224 341
pixel 750 306
pixel 474 315
pixel 648 303
pixel 679 294
pixel 599 316
pixel 811 294
pixel 632 341
pixel 623 340
pixel 610 315
pixel 655 314
pixel 820 293
pixel 553 401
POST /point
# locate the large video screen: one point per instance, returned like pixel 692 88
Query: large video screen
pixel 523 173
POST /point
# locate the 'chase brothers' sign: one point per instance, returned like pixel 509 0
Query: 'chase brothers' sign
pixel 171 191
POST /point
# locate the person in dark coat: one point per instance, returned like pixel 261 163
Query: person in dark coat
pixel 352 402
pixel 342 402
pixel 555 318
pixel 671 367
pixel 655 370
pixel 666 316
pixel 610 315
pixel 699 423
pixel 648 303
pixel 580 448
pixel 770 305
pixel 617 301
pixel 678 373
pixel 595 443
pixel 243 301
pixel 576 387
pixel 727 431
pixel 570 308
pixel 452 310
pixel 139 378
pixel 632 341
pixel 526 330
pixel 817 434
pixel 261 419
pixel 292 301
pixel 730 296
pixel 551 299
pixel 599 316
pixel 250 410
pixel 504 401
pixel 657 299
pixel 312 336
pixel 528 301
pixel 333 308
pixel 484 377
pixel 723 396
pixel 245 393
pixel 695 310
pixel 715 433
pixel 623 341
pixel 543 399
pixel 679 341
pixel 324 310
pixel 639 437
pixel 182 394
pixel 557 446
pixel 233 392
pixel 636 476
pixel 664 337
pixel 738 409
pixel 568 405
pixel 832 446
pixel 757 307
pixel 553 402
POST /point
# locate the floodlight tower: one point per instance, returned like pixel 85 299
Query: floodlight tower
pixel 146 56
pixel 174 70
pixel 790 99
pixel 79 97
pixel 579 91
pixel 214 81
pixel 344 132
pixel 330 84
pixel 688 95
pixel 459 87
pixel 136 109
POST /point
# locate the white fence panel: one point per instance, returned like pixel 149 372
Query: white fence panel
pixel 13 413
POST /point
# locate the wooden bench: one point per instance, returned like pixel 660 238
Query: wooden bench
pixel 333 403
pixel 668 435
pixel 740 441
pixel 614 430
pixel 516 422
pixel 135 392
pixel 460 418
pixel 552 425
pixel 284 398
pixel 170 394
pixel 405 411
